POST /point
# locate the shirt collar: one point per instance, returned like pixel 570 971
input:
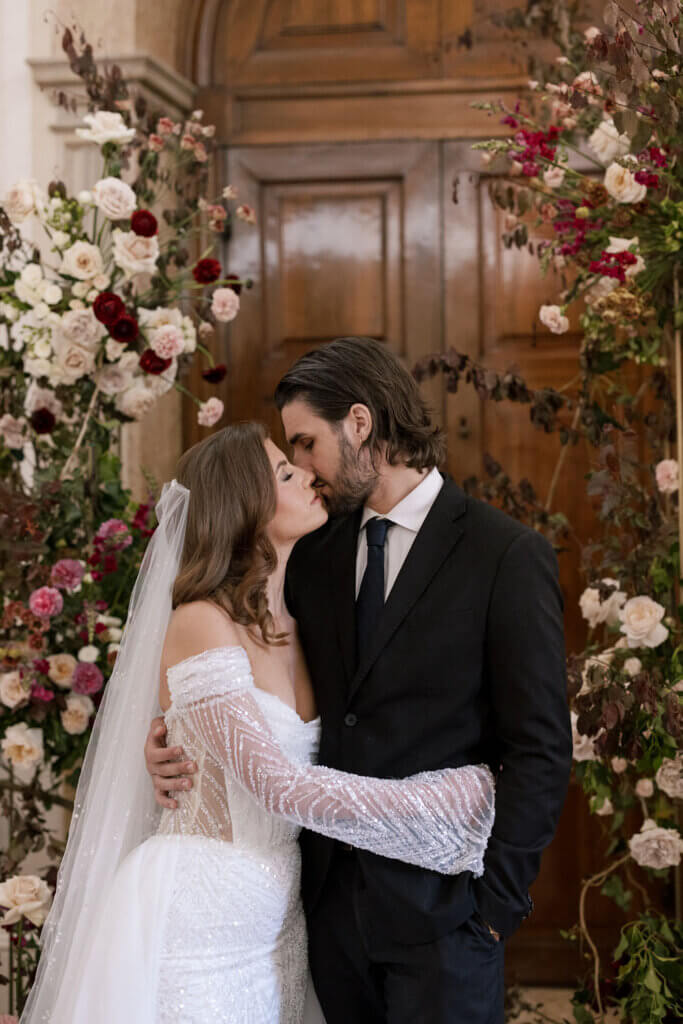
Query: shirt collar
pixel 412 510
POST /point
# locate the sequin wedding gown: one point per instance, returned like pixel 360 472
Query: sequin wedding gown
pixel 203 922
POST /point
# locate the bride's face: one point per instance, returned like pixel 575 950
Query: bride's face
pixel 299 509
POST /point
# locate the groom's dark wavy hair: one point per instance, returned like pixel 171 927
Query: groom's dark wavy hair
pixel 349 370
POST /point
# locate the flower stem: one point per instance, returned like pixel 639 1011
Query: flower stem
pixel 79 441
pixel 595 880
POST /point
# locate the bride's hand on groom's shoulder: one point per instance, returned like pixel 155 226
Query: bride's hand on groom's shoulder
pixel 166 765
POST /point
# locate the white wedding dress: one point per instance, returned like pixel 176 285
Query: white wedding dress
pixel 203 923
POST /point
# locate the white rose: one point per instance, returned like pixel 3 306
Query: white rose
pixel 31 275
pixel 73 361
pixel 23 199
pixel 42 398
pixel 81 327
pixel 189 334
pixel 62 669
pixel 60 239
pixel 22 748
pixel 622 186
pixel 115 198
pixel 669 776
pixel 135 254
pixel 583 746
pixel 632 666
pixel 591 607
pixel 619 765
pixel 167 341
pixel 105 126
pixel 666 475
pixel 607 143
pixel 161 316
pixel 89 653
pixel 553 319
pixel 225 304
pixel 656 847
pixel 605 807
pixel 25 896
pixel 81 289
pixel 12 431
pixel 641 622
pixel 113 379
pixel 79 710
pixel 135 401
pixel 12 691
pixel 114 349
pixel 52 293
pixel 591 34
pixel 82 260
pixel 553 176
pixel 645 788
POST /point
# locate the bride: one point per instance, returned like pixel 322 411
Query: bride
pixel 193 914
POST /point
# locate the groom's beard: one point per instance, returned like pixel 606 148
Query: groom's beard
pixel 353 483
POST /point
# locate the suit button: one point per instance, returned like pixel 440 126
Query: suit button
pixel 350 720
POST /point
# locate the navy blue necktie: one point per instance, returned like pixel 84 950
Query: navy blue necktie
pixel 370 600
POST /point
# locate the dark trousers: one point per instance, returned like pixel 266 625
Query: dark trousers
pixel 362 978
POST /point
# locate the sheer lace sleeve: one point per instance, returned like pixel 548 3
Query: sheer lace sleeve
pixel 439 820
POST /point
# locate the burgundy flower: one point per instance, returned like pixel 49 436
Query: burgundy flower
pixel 109 563
pixel 87 679
pixel 144 223
pixel 647 178
pixel 43 421
pixel 41 665
pixel 107 308
pixel 125 329
pixel 150 362
pixel 42 693
pixel 215 374
pixel 207 271
pixel 237 287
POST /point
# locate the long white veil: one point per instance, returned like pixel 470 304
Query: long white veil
pixel 114 809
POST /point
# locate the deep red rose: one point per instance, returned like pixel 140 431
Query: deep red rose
pixel 207 271
pixel 237 288
pixel 144 223
pixel 216 374
pixel 43 421
pixel 125 329
pixel 150 362
pixel 41 665
pixel 109 563
pixel 108 307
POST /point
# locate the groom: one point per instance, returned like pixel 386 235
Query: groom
pixel 432 626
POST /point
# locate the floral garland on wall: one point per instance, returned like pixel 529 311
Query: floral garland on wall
pixel 594 157
pixel 98 319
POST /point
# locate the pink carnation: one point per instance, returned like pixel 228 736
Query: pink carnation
pixel 46 602
pixel 210 412
pixel 114 530
pixel 167 341
pixel 67 573
pixel 42 693
pixel 87 678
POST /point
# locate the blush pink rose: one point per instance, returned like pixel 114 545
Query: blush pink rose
pixel 87 679
pixel 67 573
pixel 114 530
pixel 46 602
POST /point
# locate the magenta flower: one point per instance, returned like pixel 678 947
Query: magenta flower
pixel 46 602
pixel 42 693
pixel 67 573
pixel 87 679
pixel 116 533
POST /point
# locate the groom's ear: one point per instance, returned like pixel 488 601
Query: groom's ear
pixel 359 419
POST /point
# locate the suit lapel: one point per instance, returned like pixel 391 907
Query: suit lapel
pixel 436 539
pixel 342 571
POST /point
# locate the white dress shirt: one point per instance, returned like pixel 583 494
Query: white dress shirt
pixel 407 516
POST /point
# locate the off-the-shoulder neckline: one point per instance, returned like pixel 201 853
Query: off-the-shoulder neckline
pixel 267 693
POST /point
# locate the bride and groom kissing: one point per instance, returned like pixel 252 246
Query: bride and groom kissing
pixel 365 744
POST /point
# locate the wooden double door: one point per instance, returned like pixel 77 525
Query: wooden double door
pixel 365 239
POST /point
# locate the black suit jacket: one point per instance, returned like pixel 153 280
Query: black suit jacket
pixel 468 666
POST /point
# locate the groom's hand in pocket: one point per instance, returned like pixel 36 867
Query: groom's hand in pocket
pixel 167 765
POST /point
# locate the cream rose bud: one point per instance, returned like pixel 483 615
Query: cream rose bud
pixel 553 318
pixel 632 666
pixel 225 304
pixel 641 622
pixel 85 197
pixel 645 788
pixel 61 669
pixel 656 847
pixel 666 475
pixel 79 710
pixel 105 126
pixel 25 896
pixel 12 691
pixel 622 186
pixel 22 748
pixel 553 176
pixel 591 34
pixel 82 260
pixel 23 199
pixel 669 776
pixel 619 765
pixel 134 253
pixel 89 653
pixel 115 198
pixel 607 143
pixel 12 431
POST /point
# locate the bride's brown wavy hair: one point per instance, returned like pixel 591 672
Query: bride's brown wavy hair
pixel 227 555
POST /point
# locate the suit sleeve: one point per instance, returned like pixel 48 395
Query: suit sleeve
pixel 527 676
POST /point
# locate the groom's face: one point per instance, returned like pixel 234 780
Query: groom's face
pixel 344 475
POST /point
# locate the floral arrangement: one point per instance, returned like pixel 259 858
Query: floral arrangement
pixel 106 296
pixel 590 177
